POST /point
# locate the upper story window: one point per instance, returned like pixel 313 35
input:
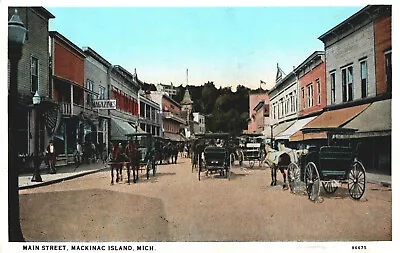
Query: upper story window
pixel 364 76
pixel 347 84
pixel 303 98
pixel 333 86
pixel 102 92
pixel 310 94
pixel 142 109
pixel 388 70
pixel 34 74
pixel 319 91
pixel 89 86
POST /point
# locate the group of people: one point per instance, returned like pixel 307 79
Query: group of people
pixel 90 152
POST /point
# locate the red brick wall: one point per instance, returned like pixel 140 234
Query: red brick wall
pixel 254 99
pixel 311 77
pixel 68 64
pixel 170 125
pixel 383 42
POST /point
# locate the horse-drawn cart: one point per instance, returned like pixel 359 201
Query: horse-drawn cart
pixel 251 149
pixel 333 166
pixel 215 153
pixel 145 144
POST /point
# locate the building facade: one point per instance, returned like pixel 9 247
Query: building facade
pixel 172 121
pixel 351 55
pixel 200 119
pixel 70 90
pixel 33 75
pixel 124 89
pixel 150 117
pixel 254 100
pixel 312 86
pixel 97 88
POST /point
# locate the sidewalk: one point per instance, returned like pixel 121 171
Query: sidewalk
pixel 63 173
pixel 380 179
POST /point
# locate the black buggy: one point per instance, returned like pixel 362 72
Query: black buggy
pixel 332 166
pixel 213 153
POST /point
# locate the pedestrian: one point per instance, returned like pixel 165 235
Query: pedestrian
pixel 78 154
pixel 51 157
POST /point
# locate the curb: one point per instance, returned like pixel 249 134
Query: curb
pixel 381 183
pixel 54 181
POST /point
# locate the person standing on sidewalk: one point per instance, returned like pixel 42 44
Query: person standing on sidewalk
pixel 51 157
pixel 78 155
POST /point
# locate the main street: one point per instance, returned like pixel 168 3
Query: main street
pixel 175 206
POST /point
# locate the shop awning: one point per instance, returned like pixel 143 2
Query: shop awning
pixel 119 129
pixel 376 120
pixel 174 137
pixel 299 124
pixel 281 128
pixel 329 119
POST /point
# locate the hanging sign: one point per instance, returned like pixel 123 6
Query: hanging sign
pixel 105 104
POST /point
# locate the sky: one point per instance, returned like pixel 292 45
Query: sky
pixel 227 45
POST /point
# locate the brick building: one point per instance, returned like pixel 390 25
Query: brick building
pixel 70 91
pixel 312 87
pixel 254 99
pixel 172 120
pixel 33 75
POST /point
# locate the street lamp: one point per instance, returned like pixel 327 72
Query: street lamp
pixel 16 39
pixel 36 160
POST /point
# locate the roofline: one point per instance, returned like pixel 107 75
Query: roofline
pixel 44 12
pixel 173 101
pixel 314 55
pixel 94 54
pixel 281 82
pixel 259 104
pixel 351 18
pixel 67 42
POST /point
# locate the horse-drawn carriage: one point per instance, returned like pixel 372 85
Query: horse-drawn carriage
pixel 251 149
pixel 329 165
pixel 145 143
pixel 332 166
pixel 214 149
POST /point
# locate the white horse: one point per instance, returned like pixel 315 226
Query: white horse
pixel 283 159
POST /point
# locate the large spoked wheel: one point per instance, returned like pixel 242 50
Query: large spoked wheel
pixel 241 157
pixel 356 180
pixel 312 181
pixel 294 177
pixel 329 187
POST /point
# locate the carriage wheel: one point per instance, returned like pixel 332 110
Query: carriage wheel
pixel 329 187
pixel 241 157
pixel 312 181
pixel 232 158
pixel 294 177
pixel 251 163
pixel 356 180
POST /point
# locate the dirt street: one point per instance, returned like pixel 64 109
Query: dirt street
pixel 175 206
